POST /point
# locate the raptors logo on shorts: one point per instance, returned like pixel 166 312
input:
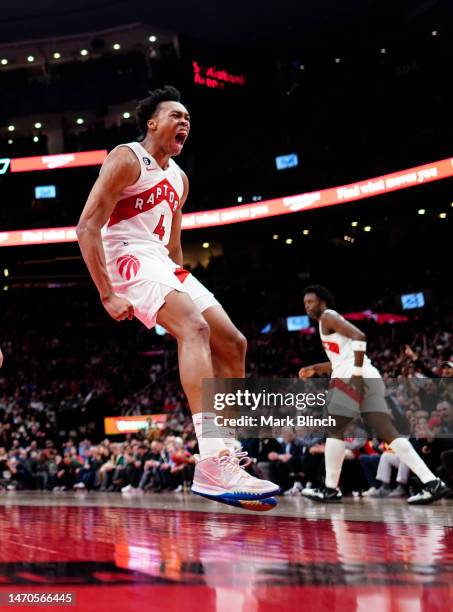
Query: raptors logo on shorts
pixel 128 266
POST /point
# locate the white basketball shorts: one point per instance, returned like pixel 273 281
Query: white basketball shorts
pixel 145 275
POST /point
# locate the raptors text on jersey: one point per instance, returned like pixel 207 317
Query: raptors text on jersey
pixel 144 211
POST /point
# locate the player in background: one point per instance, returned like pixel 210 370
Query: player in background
pixel 345 346
pixel 129 236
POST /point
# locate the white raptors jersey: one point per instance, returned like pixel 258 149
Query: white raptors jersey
pixel 144 211
pixel 339 351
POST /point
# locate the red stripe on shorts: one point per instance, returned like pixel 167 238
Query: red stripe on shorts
pixel 181 274
pixel 338 383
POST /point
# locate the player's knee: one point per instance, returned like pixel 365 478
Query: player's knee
pixel 239 343
pixel 196 329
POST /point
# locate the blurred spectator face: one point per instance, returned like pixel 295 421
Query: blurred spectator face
pixel 157 446
pixel 443 409
pixel 422 422
pixel 170 446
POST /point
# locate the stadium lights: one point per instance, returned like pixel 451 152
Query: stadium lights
pixel 275 237
pixel 354 224
pixel 84 52
pixel 11 128
pixel 434 33
pixel 301 67
pixel 152 38
pixel 421 211
pixel 80 121
pixel 289 241
pixel 442 215
pixel 239 199
pixel 117 46
pixel 10 141
pixel 348 239
pixel 4 61
pixel 451 204
pixel 383 51
pixel 337 60
pixel 367 228
pixel 31 59
pixel 6 272
pixel 35 138
pixel 5 287
pixel 126 115
pixel 306 232
pixel 205 245
pixel 38 125
pixel 56 55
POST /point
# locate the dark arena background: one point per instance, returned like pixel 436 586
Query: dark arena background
pixel 320 153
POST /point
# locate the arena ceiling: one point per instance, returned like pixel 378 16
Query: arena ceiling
pixel 225 21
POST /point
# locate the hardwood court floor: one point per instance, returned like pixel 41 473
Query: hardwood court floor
pixel 178 552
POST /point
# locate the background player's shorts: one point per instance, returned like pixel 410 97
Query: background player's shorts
pixel 145 276
pixel 344 401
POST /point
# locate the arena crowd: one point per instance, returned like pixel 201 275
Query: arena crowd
pixel 62 373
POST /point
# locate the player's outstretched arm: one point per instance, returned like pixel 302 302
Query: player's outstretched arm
pixel 174 244
pixel 315 370
pixel 120 170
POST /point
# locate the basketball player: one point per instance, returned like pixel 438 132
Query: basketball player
pixel 345 346
pixel 136 265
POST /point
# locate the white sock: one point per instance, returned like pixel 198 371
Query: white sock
pixel 334 456
pixel 408 455
pixel 209 437
pixel 229 439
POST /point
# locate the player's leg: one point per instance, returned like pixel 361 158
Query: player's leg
pixel 333 456
pixel 433 488
pixel 228 344
pixel 183 321
pixel 218 474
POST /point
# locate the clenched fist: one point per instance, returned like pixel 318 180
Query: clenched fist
pixel 118 308
pixel 307 372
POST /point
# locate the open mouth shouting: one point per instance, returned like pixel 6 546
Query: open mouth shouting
pixel 181 137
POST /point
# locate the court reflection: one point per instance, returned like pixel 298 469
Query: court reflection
pixel 213 561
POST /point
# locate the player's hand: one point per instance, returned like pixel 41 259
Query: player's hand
pixel 307 372
pixel 358 383
pixel 118 308
pixel 1 358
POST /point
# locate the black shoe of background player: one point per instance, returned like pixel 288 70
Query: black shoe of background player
pixel 431 491
pixel 325 495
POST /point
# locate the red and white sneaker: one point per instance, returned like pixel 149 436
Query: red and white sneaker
pixel 224 479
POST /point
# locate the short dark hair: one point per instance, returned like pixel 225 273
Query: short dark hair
pixel 147 107
pixel 323 294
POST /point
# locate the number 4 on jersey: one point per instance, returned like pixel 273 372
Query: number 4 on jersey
pixel 160 229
